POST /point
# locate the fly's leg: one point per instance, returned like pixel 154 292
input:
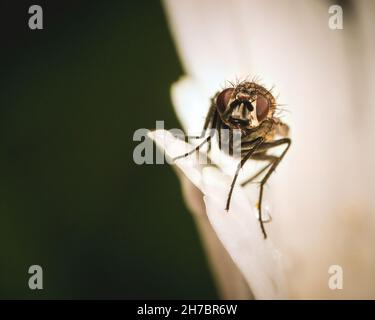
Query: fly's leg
pixel 274 165
pixel 210 117
pixel 256 175
pixel 265 157
pixel 256 143
pixel 211 120
pixel 194 150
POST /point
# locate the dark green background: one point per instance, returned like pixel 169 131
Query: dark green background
pixel 71 198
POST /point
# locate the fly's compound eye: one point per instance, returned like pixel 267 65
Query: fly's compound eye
pixel 223 98
pixel 262 107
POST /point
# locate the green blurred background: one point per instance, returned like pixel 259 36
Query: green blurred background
pixel 71 198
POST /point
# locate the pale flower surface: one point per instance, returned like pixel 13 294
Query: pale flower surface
pixel 320 197
pixel 237 229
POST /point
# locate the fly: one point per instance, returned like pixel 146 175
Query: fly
pixel 249 107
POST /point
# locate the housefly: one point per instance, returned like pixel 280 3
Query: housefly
pixel 250 108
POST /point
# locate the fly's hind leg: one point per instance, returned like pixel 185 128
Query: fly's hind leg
pixel 261 157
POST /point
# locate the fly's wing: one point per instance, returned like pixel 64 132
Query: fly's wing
pixel 282 129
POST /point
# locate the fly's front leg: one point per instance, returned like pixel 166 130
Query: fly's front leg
pixel 208 121
pixel 212 125
pixel 268 145
pixel 211 119
pixel 256 143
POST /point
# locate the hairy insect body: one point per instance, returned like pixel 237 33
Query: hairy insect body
pixel 242 117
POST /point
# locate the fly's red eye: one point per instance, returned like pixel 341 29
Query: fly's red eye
pixel 262 107
pixel 223 99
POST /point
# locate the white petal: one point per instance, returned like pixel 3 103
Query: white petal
pixel 239 228
pixel 322 191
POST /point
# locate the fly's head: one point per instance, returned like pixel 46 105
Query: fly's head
pixel 245 106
